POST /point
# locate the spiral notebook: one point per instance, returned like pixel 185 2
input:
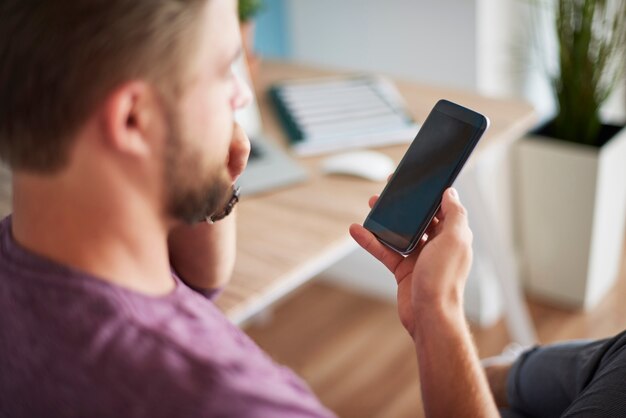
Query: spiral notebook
pixel 332 114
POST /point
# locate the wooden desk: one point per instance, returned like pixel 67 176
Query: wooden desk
pixel 287 237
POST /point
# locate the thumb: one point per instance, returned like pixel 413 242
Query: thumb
pixel 452 211
pixel 238 152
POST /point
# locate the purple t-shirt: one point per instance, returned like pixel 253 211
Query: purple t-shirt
pixel 72 345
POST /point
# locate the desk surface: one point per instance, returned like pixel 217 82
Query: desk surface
pixel 288 236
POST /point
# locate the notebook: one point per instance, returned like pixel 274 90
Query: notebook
pixel 337 113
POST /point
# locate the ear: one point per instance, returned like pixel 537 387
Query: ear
pixel 132 119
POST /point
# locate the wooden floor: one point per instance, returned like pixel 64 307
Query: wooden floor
pixel 357 358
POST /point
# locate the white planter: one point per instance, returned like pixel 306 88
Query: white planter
pixel 572 207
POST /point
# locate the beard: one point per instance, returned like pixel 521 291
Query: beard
pixel 192 193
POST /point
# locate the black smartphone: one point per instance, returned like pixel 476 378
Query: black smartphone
pixel 431 164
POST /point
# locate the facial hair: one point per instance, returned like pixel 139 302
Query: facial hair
pixel 192 192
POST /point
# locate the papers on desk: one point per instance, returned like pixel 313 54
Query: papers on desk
pixel 332 114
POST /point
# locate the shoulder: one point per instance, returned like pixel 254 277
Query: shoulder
pixel 211 378
pixel 146 374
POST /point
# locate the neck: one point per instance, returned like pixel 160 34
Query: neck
pixel 104 232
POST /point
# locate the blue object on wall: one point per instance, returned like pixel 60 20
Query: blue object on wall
pixel 271 37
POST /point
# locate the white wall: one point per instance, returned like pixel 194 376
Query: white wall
pixel 503 47
pixel 425 40
pixel 483 45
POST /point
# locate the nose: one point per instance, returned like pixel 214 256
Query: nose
pixel 243 93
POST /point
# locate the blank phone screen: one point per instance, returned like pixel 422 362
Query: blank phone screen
pixel 425 171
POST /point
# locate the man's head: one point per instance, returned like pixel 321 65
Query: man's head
pixel 152 79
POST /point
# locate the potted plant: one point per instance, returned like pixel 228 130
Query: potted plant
pixel 573 169
pixel 248 9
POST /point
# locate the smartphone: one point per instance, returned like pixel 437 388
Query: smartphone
pixel 431 164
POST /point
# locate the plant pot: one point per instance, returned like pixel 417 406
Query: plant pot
pixel 572 207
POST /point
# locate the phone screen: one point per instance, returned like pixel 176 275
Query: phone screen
pixel 430 165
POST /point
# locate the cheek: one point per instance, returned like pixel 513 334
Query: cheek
pixel 213 129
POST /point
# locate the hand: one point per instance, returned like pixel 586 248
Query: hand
pixel 238 152
pixel 433 275
pixel 497 377
pixel 204 255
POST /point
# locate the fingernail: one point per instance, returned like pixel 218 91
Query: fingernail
pixel 454 193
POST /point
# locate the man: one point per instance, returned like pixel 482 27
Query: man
pixel 117 121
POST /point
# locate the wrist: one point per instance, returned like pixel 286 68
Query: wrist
pixel 443 304
pixel 228 208
pixel 497 377
pixel 438 317
pixel 203 254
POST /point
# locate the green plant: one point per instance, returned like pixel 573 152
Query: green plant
pixel 591 41
pixel 248 9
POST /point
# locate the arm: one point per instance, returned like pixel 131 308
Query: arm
pixel 430 305
pixel 497 376
pixel 450 373
pixel 203 255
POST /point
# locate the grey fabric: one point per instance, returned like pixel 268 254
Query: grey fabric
pixel 573 379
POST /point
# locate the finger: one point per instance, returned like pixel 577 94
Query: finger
pixel 369 243
pixel 451 207
pixel 432 227
pixel 245 95
pixel 372 201
pixel 439 214
pixel 454 216
pixel 420 245
pixel 429 234
pixel 238 152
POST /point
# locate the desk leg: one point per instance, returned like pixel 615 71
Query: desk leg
pixel 490 242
